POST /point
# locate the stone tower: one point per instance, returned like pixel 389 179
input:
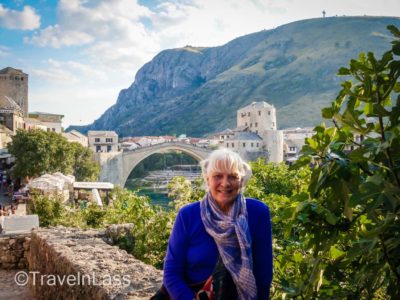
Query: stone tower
pixel 14 85
pixel 260 118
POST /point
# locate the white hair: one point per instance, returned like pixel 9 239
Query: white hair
pixel 225 160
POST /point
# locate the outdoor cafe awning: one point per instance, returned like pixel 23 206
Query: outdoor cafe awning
pixel 86 185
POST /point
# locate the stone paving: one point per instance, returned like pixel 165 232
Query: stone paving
pixel 10 290
pixel 5 200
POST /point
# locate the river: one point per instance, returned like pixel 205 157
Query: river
pixel 156 196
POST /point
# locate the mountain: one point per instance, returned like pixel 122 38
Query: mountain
pixel 196 90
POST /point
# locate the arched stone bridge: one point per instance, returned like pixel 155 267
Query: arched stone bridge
pixel 116 166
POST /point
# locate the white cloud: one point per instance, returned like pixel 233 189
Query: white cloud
pixel 110 40
pixel 79 108
pixel 27 19
pixel 111 32
pixel 4 51
pixel 55 37
pixel 211 23
pixel 53 75
pixel 69 72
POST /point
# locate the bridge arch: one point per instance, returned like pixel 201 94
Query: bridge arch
pixel 118 169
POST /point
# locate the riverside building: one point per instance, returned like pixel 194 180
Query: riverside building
pixel 256 134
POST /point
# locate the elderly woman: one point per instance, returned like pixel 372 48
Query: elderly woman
pixel 223 241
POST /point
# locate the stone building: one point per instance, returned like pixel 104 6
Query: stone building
pixel 103 141
pixel 31 123
pixel 76 136
pixel 256 134
pixel 247 144
pixel 294 140
pixel 14 85
pixel 11 114
pixel 5 136
pixel 53 122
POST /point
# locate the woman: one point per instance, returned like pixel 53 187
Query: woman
pixel 224 230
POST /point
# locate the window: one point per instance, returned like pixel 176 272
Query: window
pixel 256 124
pixel 244 145
pixel 246 123
pixel 273 124
pixel 48 129
pixel 259 113
pixel 251 124
pixel 109 140
pixel 292 148
pixel 227 145
pixel 233 145
pixel 257 145
pixel 257 131
pixel 252 145
pixel 98 148
pixel 53 129
pixel 108 148
pixel 248 114
pixel 269 113
pixel 97 140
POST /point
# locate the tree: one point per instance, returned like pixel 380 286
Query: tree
pixel 37 152
pixel 283 189
pixel 352 216
pixel 276 179
pixel 84 166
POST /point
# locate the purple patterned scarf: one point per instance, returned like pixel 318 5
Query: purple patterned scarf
pixel 232 235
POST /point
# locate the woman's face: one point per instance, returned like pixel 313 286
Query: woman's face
pixel 224 187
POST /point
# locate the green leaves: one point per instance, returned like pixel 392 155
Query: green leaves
pixel 37 152
pixel 355 185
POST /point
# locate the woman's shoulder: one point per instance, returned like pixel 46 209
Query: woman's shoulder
pixel 189 215
pixel 190 209
pixel 255 205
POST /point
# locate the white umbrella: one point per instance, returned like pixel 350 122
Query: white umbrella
pixel 45 184
pixel 67 178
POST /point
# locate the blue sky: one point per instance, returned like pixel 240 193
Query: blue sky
pixel 79 54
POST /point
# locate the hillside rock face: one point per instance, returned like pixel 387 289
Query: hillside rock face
pixel 198 90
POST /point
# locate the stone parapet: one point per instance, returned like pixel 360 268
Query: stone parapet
pixel 14 249
pixel 97 270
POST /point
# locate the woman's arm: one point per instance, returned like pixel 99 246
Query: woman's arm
pixel 174 266
pixel 262 253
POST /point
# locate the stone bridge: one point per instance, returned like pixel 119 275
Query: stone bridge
pixel 116 166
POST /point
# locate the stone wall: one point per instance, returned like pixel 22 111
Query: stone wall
pixel 14 250
pixel 14 84
pixel 97 270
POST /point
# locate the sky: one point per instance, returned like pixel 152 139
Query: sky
pixel 80 54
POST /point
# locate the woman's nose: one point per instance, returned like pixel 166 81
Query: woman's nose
pixel 225 181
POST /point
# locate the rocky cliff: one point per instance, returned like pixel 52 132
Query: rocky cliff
pixel 196 90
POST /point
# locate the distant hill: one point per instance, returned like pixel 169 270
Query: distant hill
pixel 196 90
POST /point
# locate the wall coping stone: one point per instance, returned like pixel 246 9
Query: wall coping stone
pixel 66 251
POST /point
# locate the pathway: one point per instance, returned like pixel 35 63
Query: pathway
pixel 5 200
pixel 10 290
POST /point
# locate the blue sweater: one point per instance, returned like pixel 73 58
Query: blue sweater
pixel 192 253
